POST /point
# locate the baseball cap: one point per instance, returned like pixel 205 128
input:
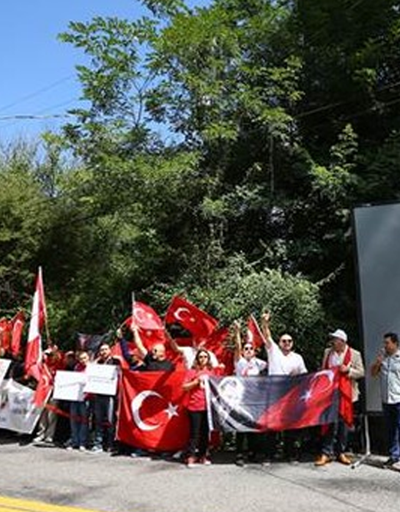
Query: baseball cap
pixel 339 333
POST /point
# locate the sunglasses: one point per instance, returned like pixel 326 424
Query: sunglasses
pixel 287 340
pixel 248 348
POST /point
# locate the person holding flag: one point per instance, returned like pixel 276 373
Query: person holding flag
pixel 246 365
pixel 194 385
pixel 350 365
pixel 154 359
pixel 52 360
pixel 283 360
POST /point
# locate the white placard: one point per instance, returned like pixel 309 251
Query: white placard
pixel 102 379
pixel 17 410
pixel 69 386
pixel 4 365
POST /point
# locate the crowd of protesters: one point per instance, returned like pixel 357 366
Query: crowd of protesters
pixel 91 423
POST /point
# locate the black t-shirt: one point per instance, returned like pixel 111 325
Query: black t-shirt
pixel 153 365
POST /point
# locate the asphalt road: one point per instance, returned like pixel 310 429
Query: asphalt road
pixel 122 484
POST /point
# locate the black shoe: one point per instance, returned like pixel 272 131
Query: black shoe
pixel 252 457
pixel 389 462
pixel 239 460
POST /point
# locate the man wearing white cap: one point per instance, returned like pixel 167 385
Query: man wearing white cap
pixel 350 364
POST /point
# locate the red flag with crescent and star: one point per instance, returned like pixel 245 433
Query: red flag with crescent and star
pixel 199 323
pixel 5 334
pixel 145 318
pixel 218 344
pixel 18 323
pixel 44 387
pixel 152 413
pixel 33 354
pixel 151 327
pixel 254 335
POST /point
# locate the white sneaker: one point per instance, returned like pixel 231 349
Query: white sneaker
pixel 96 449
pixel 177 455
pixel 70 448
pixel 82 449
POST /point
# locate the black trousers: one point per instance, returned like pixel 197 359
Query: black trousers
pixel 252 439
pixel 198 441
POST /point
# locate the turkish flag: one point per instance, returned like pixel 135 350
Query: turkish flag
pixel 17 323
pixel 218 344
pixel 152 415
pixel 346 400
pixel 254 335
pixel 44 386
pixel 313 400
pixel 33 355
pixel 195 320
pixel 150 337
pixel 151 327
pixel 145 318
pixel 5 334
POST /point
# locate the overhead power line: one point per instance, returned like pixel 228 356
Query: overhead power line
pixel 29 116
pixel 36 93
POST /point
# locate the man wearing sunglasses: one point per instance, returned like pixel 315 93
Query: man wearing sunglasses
pixel 283 360
pixel 153 360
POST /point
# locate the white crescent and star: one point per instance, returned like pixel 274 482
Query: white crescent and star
pixel 137 402
pixel 139 314
pixel 144 317
pixel 178 314
pixel 328 373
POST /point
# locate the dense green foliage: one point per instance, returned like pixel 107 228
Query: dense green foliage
pixel 220 155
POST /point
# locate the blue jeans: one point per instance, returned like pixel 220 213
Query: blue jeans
pixel 79 423
pixel 334 442
pixel 104 421
pixel 392 418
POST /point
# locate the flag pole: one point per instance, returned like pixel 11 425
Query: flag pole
pixel 133 309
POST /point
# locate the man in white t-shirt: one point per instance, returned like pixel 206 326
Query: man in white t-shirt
pixel 283 360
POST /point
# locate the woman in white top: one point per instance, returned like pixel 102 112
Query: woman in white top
pixel 246 365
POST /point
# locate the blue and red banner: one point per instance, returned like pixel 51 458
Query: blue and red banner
pixel 259 404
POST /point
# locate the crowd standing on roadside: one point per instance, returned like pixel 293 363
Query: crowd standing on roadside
pixel 92 421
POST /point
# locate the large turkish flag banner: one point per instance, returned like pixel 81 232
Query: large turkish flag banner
pixel 152 413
